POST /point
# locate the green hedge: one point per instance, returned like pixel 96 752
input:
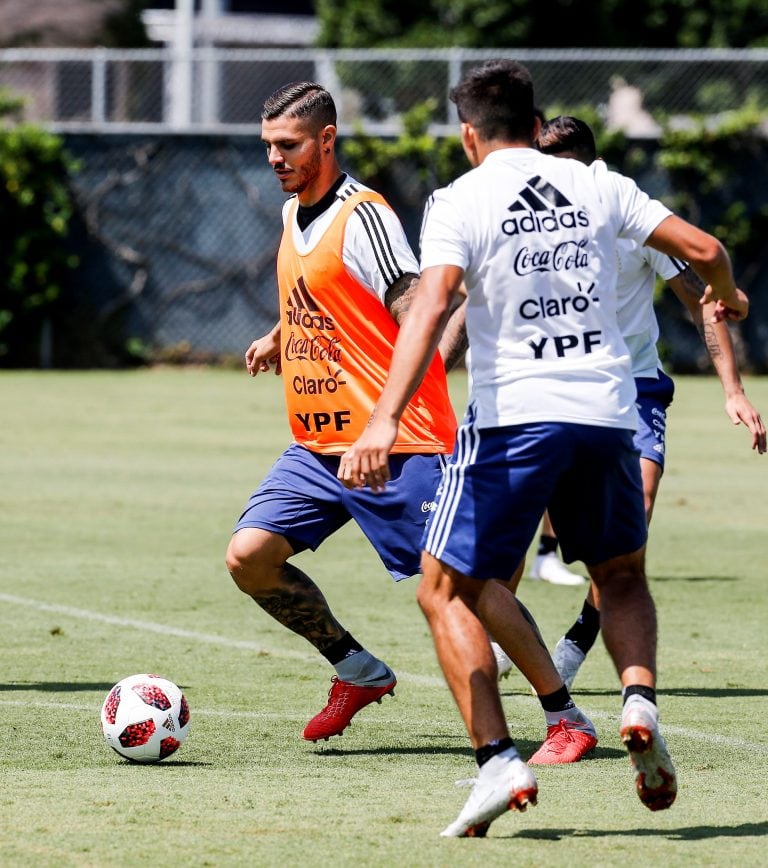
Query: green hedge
pixel 36 207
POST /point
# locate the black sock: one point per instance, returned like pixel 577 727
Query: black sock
pixel 586 628
pixel 547 544
pixel 641 690
pixel 341 648
pixel 484 753
pixel 560 700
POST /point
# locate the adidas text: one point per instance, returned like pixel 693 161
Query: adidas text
pixel 551 222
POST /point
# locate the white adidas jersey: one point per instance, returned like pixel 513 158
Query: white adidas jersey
pixel 536 236
pixel 638 267
pixel 376 250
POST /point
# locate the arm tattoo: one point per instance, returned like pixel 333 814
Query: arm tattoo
pixel 300 606
pixel 692 283
pixel 694 287
pixel 398 297
pixel 453 344
pixel 711 342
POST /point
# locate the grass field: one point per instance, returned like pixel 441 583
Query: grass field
pixel 117 495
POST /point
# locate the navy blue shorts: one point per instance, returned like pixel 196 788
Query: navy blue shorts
pixel 653 398
pixel 301 499
pixel 499 481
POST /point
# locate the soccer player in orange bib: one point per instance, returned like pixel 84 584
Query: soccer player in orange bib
pixel 346 275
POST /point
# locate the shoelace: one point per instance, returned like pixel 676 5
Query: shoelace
pixel 561 731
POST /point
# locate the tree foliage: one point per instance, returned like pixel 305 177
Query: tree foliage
pixel 544 24
pixel 35 210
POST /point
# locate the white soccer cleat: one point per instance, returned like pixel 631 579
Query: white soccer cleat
pixel 568 658
pixel 655 778
pixel 504 783
pixel 549 568
pixel 503 660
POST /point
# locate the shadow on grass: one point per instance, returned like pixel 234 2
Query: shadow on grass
pixel 384 750
pixel 61 686
pixel 686 833
pixel 709 692
pixel 165 765
pixel 653 579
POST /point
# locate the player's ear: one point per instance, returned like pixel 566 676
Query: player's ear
pixel 328 137
pixel 469 143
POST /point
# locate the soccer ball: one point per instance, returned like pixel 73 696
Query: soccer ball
pixel 145 718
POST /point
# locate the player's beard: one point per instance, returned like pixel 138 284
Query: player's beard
pixel 305 176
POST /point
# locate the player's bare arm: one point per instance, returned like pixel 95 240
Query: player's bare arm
pixel 366 461
pixel 709 259
pixel 263 352
pixel 689 288
pixel 453 343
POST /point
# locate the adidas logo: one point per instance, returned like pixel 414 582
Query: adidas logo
pixel 304 311
pixel 538 209
pixel 168 724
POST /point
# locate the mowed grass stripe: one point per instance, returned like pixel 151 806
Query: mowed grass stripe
pixel 227 642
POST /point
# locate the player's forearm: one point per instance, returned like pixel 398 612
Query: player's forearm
pixel 717 272
pixel 454 343
pixel 706 255
pixel 717 339
pixel 416 345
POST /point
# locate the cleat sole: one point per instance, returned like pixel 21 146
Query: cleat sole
pixel 479 830
pixel 520 801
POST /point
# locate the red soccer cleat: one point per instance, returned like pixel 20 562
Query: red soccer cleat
pixel 566 742
pixel 344 701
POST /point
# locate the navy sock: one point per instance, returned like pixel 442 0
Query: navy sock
pixel 640 690
pixel 560 700
pixel 341 648
pixel 547 544
pixel 487 751
pixel 586 628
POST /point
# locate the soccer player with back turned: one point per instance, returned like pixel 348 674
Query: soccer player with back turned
pixel 550 419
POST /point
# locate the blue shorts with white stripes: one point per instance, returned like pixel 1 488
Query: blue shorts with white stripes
pixel 654 395
pixel 301 499
pixel 499 481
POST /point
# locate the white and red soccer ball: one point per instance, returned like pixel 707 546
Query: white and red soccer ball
pixel 145 718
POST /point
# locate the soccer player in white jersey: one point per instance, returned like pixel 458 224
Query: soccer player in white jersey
pixel 550 419
pixel 638 267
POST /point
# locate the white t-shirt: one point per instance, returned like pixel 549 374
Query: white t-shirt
pixel 536 235
pixel 638 267
pixel 376 251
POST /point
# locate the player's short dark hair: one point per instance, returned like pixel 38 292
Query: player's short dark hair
pixel 497 99
pixel 301 99
pixel 565 134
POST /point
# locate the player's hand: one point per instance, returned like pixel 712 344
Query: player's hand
pixel 366 462
pixel 262 354
pixel 741 412
pixel 732 309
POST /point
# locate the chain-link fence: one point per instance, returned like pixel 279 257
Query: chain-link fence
pixel 180 214
pixel 213 89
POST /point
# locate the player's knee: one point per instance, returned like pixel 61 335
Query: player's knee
pixel 242 559
pixel 255 559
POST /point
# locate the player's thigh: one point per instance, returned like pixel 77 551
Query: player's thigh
pixel 300 499
pixel 494 491
pixel 597 507
pixel 393 520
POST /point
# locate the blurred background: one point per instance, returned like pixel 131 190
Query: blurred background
pixel 139 220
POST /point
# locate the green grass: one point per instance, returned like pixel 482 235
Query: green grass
pixel 117 495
